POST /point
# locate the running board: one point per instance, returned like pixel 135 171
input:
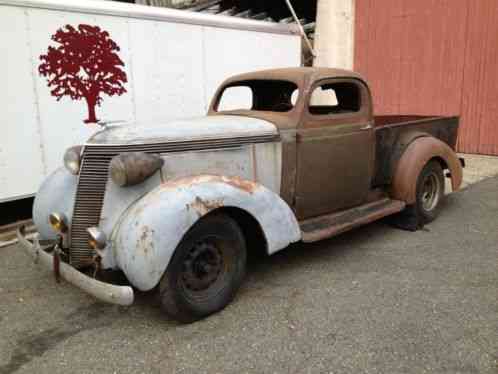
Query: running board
pixel 322 227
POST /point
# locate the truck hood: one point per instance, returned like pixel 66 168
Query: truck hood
pixel 209 127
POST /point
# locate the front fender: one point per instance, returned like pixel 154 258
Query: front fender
pixel 152 228
pixel 413 160
pixel 56 194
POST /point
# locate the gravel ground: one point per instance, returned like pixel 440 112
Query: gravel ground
pixel 375 300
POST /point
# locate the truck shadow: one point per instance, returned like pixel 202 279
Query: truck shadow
pixel 270 270
pixel 306 254
pixel 285 264
pixel 264 273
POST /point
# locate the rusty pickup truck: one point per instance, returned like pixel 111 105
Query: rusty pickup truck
pixel 282 156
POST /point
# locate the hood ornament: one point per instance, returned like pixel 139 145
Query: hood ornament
pixel 104 123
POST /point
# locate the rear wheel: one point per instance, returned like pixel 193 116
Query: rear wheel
pixel 429 193
pixel 206 270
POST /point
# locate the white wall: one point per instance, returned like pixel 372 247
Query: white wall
pixel 172 68
pixel 334 34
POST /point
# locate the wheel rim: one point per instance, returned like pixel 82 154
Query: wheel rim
pixel 430 192
pixel 205 269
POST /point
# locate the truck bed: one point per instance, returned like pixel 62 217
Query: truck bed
pixel 393 134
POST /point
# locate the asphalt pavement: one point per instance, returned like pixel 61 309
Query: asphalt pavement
pixel 375 300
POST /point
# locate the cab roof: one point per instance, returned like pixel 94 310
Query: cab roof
pixel 303 77
pixel 298 75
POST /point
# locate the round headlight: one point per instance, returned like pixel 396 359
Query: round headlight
pixel 97 238
pixel 118 171
pixel 58 221
pixel 72 159
pixel 128 169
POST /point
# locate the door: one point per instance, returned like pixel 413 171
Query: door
pixel 336 148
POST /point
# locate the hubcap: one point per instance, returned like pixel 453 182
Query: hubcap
pixel 430 192
pixel 202 266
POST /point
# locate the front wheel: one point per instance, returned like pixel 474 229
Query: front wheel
pixel 206 270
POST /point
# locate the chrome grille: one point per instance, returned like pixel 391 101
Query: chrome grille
pixel 88 204
pixel 94 175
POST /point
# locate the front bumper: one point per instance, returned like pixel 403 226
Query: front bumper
pixel 120 295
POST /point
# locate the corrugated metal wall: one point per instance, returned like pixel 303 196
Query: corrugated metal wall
pixel 433 57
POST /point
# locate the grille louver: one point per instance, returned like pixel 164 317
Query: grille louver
pixel 94 175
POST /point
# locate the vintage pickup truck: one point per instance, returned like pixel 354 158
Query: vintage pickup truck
pixel 283 156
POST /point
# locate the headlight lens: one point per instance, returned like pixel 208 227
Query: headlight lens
pixel 72 159
pixel 128 169
pixel 117 170
pixel 58 222
pixel 97 239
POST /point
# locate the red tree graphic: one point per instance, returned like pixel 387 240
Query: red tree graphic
pixel 84 65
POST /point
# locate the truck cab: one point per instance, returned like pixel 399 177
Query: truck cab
pixel 325 119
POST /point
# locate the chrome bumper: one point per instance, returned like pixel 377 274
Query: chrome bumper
pixel 120 295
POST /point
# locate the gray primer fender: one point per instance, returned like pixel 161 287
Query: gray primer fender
pixel 56 194
pixel 153 227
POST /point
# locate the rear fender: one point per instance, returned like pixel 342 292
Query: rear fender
pixel 151 229
pixel 413 160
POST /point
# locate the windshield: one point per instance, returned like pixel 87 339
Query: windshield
pixel 260 95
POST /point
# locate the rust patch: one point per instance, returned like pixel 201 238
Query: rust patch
pixel 237 182
pixel 203 207
pixel 241 184
pixel 145 243
pixel 187 181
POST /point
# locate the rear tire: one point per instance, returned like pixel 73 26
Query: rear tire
pixel 205 271
pixel 429 194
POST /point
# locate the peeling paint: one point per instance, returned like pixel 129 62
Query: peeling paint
pixel 242 184
pixel 145 242
pixel 237 182
pixel 202 207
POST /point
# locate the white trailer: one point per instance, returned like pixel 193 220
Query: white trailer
pixel 65 64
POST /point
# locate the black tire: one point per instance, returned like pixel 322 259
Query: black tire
pixel 430 192
pixel 206 270
pixel 425 209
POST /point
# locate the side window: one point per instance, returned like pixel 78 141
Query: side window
pixel 236 97
pixel 335 98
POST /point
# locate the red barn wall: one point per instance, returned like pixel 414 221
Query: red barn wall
pixel 433 57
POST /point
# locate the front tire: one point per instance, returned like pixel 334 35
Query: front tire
pixel 205 271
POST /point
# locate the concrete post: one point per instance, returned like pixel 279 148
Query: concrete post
pixel 334 34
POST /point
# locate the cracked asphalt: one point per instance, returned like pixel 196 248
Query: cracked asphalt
pixel 375 300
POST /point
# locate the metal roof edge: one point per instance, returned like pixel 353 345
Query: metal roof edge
pixel 137 11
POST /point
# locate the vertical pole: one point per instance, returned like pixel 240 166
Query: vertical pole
pixel 301 30
pixel 334 34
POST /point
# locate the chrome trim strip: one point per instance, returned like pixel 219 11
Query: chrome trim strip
pixel 111 8
pixel 223 141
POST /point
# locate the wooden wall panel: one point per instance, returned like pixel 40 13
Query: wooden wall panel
pixel 378 50
pixel 433 57
pixel 479 129
pixel 433 42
